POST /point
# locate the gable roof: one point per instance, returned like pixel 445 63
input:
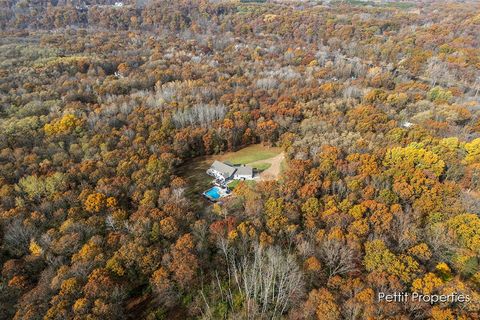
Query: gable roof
pixel 245 171
pixel 224 169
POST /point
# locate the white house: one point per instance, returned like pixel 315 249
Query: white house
pixel 243 173
pixel 223 172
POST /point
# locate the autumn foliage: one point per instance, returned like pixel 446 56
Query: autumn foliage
pixel 373 104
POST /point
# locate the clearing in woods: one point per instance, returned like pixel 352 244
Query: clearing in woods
pixel 265 159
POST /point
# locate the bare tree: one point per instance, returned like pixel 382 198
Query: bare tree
pixel 338 257
pixel 437 71
pixel 476 85
pixel 439 242
pixel 199 115
pixel 269 281
pixel 470 201
pixel 404 231
pixel 17 237
pixel 267 83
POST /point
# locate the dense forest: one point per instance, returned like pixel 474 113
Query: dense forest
pixel 375 105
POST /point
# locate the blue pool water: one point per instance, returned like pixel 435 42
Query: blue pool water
pixel 213 193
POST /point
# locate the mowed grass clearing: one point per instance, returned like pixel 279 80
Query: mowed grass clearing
pixel 194 171
pixel 261 166
pixel 249 154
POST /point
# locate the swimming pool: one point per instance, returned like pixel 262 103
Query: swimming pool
pixel 213 193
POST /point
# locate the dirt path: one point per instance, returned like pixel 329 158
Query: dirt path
pixel 273 172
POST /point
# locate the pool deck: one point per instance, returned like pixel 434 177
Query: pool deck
pixel 222 192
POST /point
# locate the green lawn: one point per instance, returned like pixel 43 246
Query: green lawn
pixel 251 153
pixel 262 166
pixel 194 171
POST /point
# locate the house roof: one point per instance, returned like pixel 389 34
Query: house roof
pixel 224 169
pixel 245 171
